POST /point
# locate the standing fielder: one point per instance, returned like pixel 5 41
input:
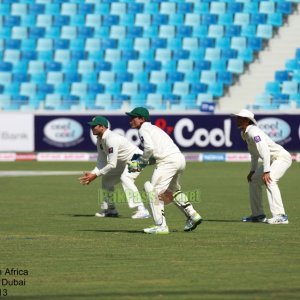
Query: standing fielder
pixel 114 151
pixel 170 164
pixel 276 161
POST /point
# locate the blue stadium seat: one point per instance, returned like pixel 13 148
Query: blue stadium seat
pixel 55 78
pixel 216 89
pixel 251 7
pixel 212 54
pixel 266 7
pixel 275 19
pixel 167 8
pixel 85 66
pixel 152 65
pixel 53 66
pixel 284 7
pixel 208 19
pixel 292 64
pixel 216 31
pixel 233 30
pixel 134 8
pixel 248 31
pixel 202 65
pixel 61 44
pixel 258 18
pixel 68 9
pixel 290 87
pixel 198 87
pixel 185 66
pixel 141 77
pixel 141 44
pixel 176 19
pixel 12 56
pixel 86 8
pixel 129 54
pixel 217 7
pixel 160 19
pixel 185 8
pixel 225 77
pixel 229 53
pixel 117 8
pixel 150 32
pixel 192 19
pixel 226 19
pixel 157 76
pixel 282 76
pixel 146 55
pixel 264 31
pixel 236 66
pixel 235 7
pixel 273 88
pixel 255 43
pixel 20 77
pixel 12 21
pixel 208 77
pixel 190 77
pixel 124 77
pixel 5 78
pixel 201 7
pixel 238 43
pixel 242 19
pixel 166 31
pixel 181 88
pixel 246 55
pixel 106 77
pixel 158 43
pixel 19 32
pixel 85 32
pixel 181 54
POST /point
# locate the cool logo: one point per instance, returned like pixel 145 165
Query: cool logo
pixel 63 131
pixel 277 129
pixel 201 137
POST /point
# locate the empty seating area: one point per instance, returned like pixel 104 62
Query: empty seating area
pixel 284 91
pixel 92 54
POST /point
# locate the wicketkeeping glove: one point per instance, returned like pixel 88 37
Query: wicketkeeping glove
pixel 136 166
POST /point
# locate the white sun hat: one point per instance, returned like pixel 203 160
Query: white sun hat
pixel 245 113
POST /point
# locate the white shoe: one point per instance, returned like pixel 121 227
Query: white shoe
pixel 107 213
pixel 141 214
pixel 193 222
pixel 157 230
pixel 279 219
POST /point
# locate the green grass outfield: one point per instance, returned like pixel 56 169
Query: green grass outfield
pixel 47 226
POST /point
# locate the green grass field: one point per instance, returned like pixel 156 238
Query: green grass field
pixel 48 228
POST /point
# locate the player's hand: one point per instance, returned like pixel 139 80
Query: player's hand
pixel 87 178
pixel 266 178
pixel 249 176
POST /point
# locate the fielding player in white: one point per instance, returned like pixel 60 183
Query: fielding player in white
pixel 170 164
pixel 276 160
pixel 114 151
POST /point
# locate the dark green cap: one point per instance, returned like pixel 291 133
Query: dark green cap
pixel 139 112
pixel 98 120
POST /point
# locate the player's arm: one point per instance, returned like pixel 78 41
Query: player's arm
pixel 148 145
pixel 264 153
pixel 112 157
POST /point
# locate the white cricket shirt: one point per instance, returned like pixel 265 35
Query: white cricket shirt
pixel 156 142
pixel 260 145
pixel 113 148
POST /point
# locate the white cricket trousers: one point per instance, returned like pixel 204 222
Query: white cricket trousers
pixel 277 170
pixel 121 174
pixel 166 175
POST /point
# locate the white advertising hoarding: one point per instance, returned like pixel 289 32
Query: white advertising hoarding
pixel 17 132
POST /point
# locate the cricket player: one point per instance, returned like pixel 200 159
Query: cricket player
pixel 170 164
pixel 275 162
pixel 114 151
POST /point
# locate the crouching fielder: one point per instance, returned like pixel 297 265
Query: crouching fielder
pixel 114 151
pixel 276 161
pixel 165 183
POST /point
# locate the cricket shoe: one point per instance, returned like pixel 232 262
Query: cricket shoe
pixel 192 222
pixel 279 219
pixel 255 219
pixel 157 230
pixel 141 214
pixel 107 213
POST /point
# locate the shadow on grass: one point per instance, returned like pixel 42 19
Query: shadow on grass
pixel 242 294
pixel 90 216
pixel 225 221
pixel 119 230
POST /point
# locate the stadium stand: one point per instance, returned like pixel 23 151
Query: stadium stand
pixel 82 55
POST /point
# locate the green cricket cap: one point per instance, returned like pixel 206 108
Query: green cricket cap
pixel 139 112
pixel 98 120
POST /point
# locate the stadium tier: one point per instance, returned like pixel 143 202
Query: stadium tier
pixel 85 55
